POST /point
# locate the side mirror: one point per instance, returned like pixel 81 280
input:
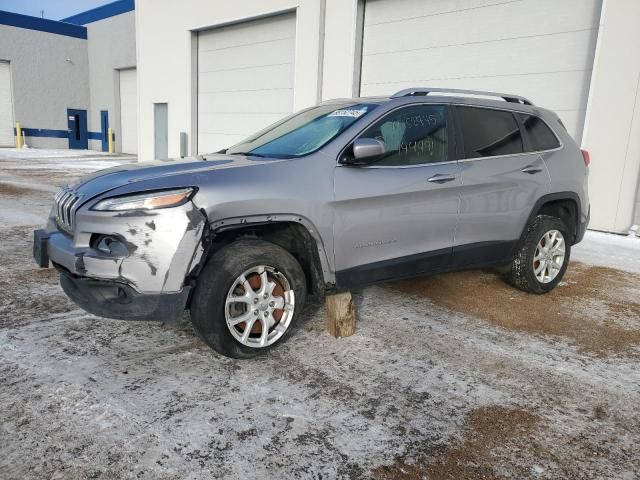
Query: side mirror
pixel 365 149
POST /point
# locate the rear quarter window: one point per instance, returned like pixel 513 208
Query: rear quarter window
pixel 540 135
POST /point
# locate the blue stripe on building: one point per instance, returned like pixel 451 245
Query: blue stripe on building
pixel 102 12
pixel 44 132
pixel 42 25
pixel 50 133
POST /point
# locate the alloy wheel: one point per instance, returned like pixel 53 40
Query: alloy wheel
pixel 259 306
pixel 549 256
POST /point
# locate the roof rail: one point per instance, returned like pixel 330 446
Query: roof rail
pixel 407 92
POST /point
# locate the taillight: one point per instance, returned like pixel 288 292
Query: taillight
pixel 586 157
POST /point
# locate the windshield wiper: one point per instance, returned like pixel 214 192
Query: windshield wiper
pixel 248 154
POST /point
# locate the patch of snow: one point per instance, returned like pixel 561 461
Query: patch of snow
pixel 11 218
pixel 51 169
pixel 609 250
pixel 537 469
pixel 32 153
pixel 10 180
pixel 91 165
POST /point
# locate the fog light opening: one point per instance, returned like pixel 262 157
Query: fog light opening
pixel 110 245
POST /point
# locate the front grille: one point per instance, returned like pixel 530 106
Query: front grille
pixel 66 202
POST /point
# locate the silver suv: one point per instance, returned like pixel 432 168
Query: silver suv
pixel 343 194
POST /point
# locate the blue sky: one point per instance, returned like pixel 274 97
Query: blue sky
pixel 53 9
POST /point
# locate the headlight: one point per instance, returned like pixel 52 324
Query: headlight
pixel 146 200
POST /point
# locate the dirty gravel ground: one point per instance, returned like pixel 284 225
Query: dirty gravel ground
pixel 452 377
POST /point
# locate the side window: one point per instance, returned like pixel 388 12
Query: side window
pixel 413 135
pixel 489 132
pixel 540 135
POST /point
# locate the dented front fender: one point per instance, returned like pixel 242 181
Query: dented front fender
pixel 161 246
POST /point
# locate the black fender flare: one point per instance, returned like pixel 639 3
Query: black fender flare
pixel 554 197
pixel 231 223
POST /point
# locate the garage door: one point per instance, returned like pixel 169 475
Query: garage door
pixel 541 49
pixel 6 107
pixel 245 79
pixel 128 111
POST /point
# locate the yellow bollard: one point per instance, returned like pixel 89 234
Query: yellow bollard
pixel 111 142
pixel 18 135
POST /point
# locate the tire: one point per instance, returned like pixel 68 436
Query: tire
pixel 218 281
pixel 522 273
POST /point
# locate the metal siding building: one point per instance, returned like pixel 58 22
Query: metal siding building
pixel 501 47
pixel 60 80
pixel 111 43
pixel 224 69
pixel 45 67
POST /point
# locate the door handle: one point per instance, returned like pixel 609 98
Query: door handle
pixel 441 178
pixel 531 169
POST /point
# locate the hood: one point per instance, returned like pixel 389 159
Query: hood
pixel 104 180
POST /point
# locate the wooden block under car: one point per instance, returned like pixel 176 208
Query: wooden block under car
pixel 341 319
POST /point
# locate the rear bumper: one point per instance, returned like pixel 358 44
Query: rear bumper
pixel 117 300
pixel 582 226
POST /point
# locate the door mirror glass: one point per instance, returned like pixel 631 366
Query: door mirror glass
pixel 365 149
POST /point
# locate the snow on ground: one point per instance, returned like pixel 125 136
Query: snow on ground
pixel 87 166
pixel 40 153
pixel 51 159
pixel 616 251
pixel 30 177
pixel 456 376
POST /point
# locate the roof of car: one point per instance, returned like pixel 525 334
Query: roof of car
pixel 425 91
pixel 448 95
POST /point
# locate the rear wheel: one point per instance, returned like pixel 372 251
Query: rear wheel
pixel 248 297
pixel 543 257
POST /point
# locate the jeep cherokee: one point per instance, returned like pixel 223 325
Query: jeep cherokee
pixel 343 194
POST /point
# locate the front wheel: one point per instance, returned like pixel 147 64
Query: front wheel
pixel 248 298
pixel 543 257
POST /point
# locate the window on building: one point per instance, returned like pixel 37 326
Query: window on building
pixel 540 135
pixel 489 132
pixel 412 136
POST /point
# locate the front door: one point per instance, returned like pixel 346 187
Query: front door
pixel 77 129
pixel 396 216
pixel 104 130
pixel 501 182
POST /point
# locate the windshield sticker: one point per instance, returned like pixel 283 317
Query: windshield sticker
pixel 348 113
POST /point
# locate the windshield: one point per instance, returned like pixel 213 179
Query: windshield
pixel 304 132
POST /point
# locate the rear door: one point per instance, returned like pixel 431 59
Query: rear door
pixel 104 130
pixel 501 181
pixel 77 129
pixel 396 216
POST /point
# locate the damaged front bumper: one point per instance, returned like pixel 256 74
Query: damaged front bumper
pixel 143 278
pixel 120 301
